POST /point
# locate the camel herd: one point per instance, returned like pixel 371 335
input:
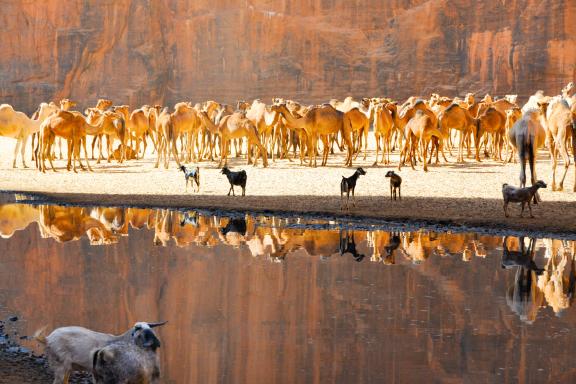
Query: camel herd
pixel 419 130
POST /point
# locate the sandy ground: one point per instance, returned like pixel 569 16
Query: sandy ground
pixel 457 194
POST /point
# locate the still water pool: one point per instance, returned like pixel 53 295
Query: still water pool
pixel 263 299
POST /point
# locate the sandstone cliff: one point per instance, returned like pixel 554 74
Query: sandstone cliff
pixel 312 50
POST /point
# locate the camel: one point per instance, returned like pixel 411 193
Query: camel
pixel 512 116
pixel 383 125
pixel 560 124
pixel 492 122
pixel 527 136
pixel 557 288
pixel 113 126
pixel 103 104
pixel 421 127
pixel 186 122
pixel 236 126
pixel 137 125
pixel 456 117
pixel 71 126
pixel 320 121
pixel 167 135
pixel 265 121
pixel 17 125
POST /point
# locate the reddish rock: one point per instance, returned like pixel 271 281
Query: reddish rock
pixel 163 51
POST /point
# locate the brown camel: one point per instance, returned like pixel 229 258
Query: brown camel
pixel 236 126
pixel 418 132
pixel 323 120
pixel 137 125
pixel 491 122
pixel 186 122
pixel 512 116
pixel 71 126
pixel 456 117
pixel 383 125
pixel 561 122
pixel 113 126
pixel 360 124
pixel 167 135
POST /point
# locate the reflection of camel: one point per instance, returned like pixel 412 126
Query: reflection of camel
pixel 523 296
pixel 71 223
pixel 16 217
pixel 557 288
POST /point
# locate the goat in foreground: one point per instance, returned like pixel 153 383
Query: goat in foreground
pixel 520 195
pixel 347 185
pixel 126 363
pixel 70 348
pixel 236 178
pixel 395 183
pixel 192 175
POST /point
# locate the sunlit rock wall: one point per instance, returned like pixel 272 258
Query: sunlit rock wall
pixel 312 50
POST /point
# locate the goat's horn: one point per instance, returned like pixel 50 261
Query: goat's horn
pixel 152 325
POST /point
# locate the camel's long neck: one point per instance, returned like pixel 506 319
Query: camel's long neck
pixel 291 120
pixel 93 130
pixel 208 122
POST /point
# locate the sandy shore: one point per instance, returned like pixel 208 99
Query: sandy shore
pixel 457 194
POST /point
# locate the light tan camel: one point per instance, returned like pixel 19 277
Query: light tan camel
pixel 323 120
pixel 560 124
pixel 418 132
pixel 527 136
pixel 265 121
pixel 17 125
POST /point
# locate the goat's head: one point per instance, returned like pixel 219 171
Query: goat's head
pixel 390 174
pixel 540 184
pixel 143 335
pixel 225 171
pixel 360 171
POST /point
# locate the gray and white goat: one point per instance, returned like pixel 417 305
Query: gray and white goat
pixel 70 349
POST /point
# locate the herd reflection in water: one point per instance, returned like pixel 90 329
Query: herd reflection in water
pixel 551 281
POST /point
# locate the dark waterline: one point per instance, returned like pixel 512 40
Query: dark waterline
pixel 266 299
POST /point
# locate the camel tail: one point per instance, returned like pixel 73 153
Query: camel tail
pixel 39 335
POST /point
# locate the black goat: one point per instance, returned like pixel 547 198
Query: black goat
pixel 395 183
pixel 236 178
pixel 347 185
pixel 192 175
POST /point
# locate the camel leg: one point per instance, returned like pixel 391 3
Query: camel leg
pixel 16 148
pixel 86 154
pixel 531 160
pixel 23 150
pixel 425 155
pixel 566 157
pixel 377 139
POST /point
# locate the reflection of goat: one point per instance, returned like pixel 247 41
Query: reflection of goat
pixel 348 245
pixel 235 225
pixel 522 258
pixel 390 248
pixel 190 219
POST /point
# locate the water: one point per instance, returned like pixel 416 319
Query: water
pixel 267 299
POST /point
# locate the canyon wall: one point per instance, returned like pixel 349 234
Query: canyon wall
pixel 137 51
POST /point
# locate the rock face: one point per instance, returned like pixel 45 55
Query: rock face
pixel 312 50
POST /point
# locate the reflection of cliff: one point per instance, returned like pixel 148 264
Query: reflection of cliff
pixel 162 51
pixel 236 318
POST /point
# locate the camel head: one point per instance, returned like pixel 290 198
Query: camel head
pixel 568 89
pixel 103 104
pixel 66 104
